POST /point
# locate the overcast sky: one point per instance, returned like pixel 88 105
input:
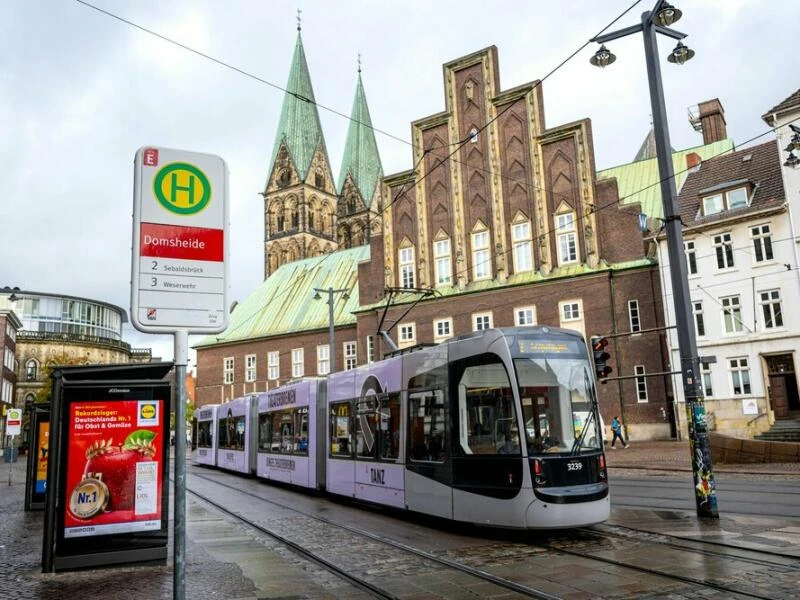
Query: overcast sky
pixel 81 91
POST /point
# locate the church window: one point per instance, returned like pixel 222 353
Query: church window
pixel 319 179
pixel 281 222
pixel 311 219
pixel 284 178
pixel 295 219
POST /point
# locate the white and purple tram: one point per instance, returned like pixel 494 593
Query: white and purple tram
pixel 205 452
pixel 499 427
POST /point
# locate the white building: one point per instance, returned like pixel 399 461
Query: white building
pixel 740 241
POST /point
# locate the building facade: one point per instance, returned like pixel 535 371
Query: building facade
pixel 58 329
pixel 514 228
pixel 9 325
pixel 740 241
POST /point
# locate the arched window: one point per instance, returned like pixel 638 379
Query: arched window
pixel 319 179
pixel 31 370
pixel 295 219
pixel 311 219
pixel 284 178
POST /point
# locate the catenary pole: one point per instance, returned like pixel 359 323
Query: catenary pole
pixel 702 468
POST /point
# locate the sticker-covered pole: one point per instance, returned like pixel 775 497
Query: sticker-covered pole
pixel 179 534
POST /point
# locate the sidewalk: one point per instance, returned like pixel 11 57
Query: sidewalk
pixel 676 456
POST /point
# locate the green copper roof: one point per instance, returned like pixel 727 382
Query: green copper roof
pixel 284 303
pixel 361 157
pixel 299 127
pixel 638 181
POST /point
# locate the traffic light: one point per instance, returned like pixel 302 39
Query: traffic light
pixel 600 356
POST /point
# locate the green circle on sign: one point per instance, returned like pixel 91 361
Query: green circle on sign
pixel 182 188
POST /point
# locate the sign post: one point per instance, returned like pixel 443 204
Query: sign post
pixel 179 276
pixel 13 429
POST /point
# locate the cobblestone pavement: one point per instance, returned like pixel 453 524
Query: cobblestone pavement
pixel 227 561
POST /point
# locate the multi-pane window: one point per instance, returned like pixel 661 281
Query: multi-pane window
pixel 31 369
pixel 699 321
pixel 442 329
pixel 521 238
pixel 482 321
pixel 408 334
pixel 297 362
pixel 740 376
pixel 273 365
pixel 633 315
pixel 323 359
pixel 407 267
pixel 567 238
pixel 762 243
pixel 705 372
pixel 730 200
pixel 570 311
pixel 480 255
pixel 227 369
pixel 443 262
pixel 723 246
pixel 525 315
pixel 370 349
pixel 250 367
pixel 641 383
pixel 731 314
pixel 771 308
pixel 350 356
pixel 691 256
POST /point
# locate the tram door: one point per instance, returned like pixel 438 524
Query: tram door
pixel 340 466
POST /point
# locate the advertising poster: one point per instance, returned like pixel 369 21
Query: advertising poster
pixel 42 450
pixel 114 458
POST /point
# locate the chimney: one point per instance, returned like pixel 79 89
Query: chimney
pixel 692 160
pixel 712 121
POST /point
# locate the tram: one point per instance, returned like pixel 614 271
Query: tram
pixel 499 427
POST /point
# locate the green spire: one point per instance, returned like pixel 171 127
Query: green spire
pixel 361 159
pixel 299 126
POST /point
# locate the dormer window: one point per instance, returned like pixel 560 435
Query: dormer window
pixel 727 196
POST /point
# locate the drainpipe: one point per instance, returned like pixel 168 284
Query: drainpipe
pixel 612 302
pixel 676 383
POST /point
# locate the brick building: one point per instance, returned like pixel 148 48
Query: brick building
pixel 515 228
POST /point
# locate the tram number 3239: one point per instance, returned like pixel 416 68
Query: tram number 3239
pixel 574 465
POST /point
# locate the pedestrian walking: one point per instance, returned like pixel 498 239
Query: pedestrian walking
pixel 616 430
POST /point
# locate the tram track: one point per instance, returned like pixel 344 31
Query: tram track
pixel 712 548
pixel 523 590
pixel 564 548
pixel 601 532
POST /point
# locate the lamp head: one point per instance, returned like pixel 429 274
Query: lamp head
pixel 317 296
pixel 680 54
pixel 603 57
pixel 794 143
pixel 668 15
pixel 792 161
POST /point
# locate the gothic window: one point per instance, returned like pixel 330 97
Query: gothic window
pixel 311 219
pixel 319 179
pixel 295 219
pixel 284 178
pixel 281 222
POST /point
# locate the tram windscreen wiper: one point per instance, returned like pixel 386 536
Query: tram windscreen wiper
pixel 578 443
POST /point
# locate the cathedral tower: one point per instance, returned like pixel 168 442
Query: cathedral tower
pixel 300 198
pixel 360 205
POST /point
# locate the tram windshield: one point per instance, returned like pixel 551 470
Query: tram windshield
pixel 557 406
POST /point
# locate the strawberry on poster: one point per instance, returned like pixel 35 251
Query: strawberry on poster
pixel 114 462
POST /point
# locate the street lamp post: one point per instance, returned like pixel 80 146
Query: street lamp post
pixel 653 22
pixel 331 345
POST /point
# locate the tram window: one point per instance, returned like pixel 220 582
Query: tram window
pixel 341 429
pixel 557 405
pixel 231 433
pixel 205 437
pixel 389 439
pixel 427 428
pixel 301 431
pixel 264 431
pixel 487 419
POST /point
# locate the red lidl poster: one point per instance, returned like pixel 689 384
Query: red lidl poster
pixel 114 460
